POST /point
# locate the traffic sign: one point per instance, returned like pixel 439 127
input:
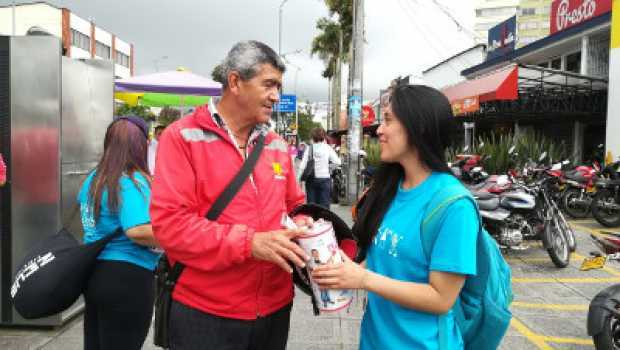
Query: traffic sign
pixel 288 103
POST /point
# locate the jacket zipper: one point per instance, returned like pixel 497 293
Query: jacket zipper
pixel 231 141
pixel 260 264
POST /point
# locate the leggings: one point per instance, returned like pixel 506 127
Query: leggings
pixel 119 306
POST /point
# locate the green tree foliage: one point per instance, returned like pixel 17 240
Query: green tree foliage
pixel 306 124
pixel 140 111
pixel 326 43
pixel 168 115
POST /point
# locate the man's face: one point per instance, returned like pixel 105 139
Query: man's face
pixel 259 94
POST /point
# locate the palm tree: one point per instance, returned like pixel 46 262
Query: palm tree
pixel 332 46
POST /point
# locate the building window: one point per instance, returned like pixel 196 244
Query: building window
pixel 80 40
pixel 532 25
pixel 102 50
pixel 528 11
pixel 522 26
pixel 122 59
pixel 573 62
pixel 545 24
pixel 556 63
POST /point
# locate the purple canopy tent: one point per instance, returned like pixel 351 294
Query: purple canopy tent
pixel 175 82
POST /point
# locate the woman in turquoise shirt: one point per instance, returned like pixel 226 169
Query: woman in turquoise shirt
pixel 119 294
pixel 407 291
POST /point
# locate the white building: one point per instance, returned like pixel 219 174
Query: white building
pixel 491 12
pixel 448 72
pixel 81 38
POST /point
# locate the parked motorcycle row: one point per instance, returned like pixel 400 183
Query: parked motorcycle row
pixel 529 203
pixel 520 206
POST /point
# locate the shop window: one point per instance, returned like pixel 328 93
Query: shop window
pixel 556 63
pixel 543 64
pixel 573 62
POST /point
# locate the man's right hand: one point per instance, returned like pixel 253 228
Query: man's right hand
pixel 277 247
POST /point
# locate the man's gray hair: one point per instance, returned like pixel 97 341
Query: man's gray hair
pixel 245 57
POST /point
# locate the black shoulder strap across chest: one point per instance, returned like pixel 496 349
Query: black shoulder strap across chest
pixel 227 195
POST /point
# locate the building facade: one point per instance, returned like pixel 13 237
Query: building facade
pixel 491 12
pixel 448 72
pixel 533 21
pixel 556 85
pixel 81 38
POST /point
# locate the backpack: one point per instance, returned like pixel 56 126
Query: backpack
pixel 481 310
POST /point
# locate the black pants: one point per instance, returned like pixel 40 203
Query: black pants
pixel 119 306
pixel 191 329
pixel 318 191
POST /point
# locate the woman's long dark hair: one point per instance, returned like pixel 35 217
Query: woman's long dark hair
pixel 426 115
pixel 124 152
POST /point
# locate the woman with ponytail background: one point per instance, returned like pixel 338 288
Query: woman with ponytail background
pixel 119 295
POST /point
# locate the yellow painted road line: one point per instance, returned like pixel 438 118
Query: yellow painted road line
pixel 558 307
pixel 539 259
pixel 567 280
pixel 589 230
pixel 582 221
pixel 576 341
pixel 531 336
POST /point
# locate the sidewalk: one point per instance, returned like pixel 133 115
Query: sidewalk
pixel 339 331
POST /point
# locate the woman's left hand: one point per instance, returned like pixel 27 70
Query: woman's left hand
pixel 344 275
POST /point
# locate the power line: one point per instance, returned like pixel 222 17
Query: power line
pixel 424 33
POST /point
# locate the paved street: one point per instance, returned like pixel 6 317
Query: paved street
pixel 550 308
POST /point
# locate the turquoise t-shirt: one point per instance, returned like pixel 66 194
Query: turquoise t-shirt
pixel 397 252
pixel 133 211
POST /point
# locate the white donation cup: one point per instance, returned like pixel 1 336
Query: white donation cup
pixel 321 246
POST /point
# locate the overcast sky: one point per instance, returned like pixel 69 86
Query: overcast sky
pixel 402 36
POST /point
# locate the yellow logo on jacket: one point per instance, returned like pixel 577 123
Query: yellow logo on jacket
pixel 277 171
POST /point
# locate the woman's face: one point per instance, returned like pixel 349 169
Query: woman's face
pixel 392 138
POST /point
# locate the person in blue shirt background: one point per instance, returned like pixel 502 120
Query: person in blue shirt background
pixel 406 291
pixel 119 295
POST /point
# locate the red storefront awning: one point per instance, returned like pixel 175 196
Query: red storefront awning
pixel 466 96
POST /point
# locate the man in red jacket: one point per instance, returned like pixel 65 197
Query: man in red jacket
pixel 236 290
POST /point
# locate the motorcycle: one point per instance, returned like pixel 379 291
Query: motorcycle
pixel 604 310
pixel 527 213
pixel 606 201
pixel 580 190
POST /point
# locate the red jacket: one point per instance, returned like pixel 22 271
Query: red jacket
pixel 196 159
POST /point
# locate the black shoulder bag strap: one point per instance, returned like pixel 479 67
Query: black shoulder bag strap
pixel 225 197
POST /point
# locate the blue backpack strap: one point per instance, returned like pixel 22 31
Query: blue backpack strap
pixel 430 226
pixel 429 230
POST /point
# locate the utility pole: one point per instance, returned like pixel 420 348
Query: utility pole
pixel 330 125
pixel 355 102
pixel 338 82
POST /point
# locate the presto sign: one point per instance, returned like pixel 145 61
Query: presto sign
pixel 569 13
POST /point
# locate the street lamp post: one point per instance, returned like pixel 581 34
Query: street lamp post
pixel 13 16
pixel 279 46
